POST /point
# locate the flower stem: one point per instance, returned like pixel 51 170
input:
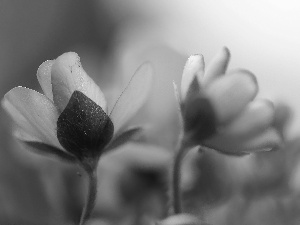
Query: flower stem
pixel 91 196
pixel 181 150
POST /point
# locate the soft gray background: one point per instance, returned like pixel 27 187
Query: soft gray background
pixel 112 38
pixel 263 35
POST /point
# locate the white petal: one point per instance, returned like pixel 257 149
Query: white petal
pixel 44 78
pixel 283 114
pixel 263 141
pixel 133 96
pixel 42 148
pixel 23 135
pixel 193 67
pixel 67 75
pixel 217 66
pixel 257 116
pixel 34 113
pixel 230 94
pixel 181 219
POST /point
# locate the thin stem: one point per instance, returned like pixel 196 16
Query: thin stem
pixel 91 196
pixel 181 150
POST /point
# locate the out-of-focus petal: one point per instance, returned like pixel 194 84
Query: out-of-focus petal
pixel 230 94
pixel 67 75
pixel 193 67
pixel 34 113
pixel 22 135
pixel 181 219
pixel 217 66
pixel 263 141
pixel 257 116
pixel 133 96
pixel 283 114
pixel 44 78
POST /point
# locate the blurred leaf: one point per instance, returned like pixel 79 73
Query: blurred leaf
pixel 124 177
pixel 124 137
pixel 48 150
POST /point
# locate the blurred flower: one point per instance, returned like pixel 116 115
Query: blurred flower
pixel 251 185
pixel 219 110
pixel 267 210
pixel 72 120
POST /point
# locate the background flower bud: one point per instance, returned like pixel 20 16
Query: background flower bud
pixel 199 118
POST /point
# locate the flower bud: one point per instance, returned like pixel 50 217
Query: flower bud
pixel 199 118
pixel 83 128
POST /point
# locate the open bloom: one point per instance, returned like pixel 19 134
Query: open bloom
pixel 71 119
pixel 220 111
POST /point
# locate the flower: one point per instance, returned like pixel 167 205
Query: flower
pixel 71 119
pixel 219 109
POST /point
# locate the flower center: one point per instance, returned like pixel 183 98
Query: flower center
pixel 83 128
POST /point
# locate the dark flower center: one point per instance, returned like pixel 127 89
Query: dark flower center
pixel 83 128
pixel 199 119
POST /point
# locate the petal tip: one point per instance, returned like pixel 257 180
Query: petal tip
pixel 146 68
pixel 194 68
pixel 10 92
pixel 44 77
pixel 269 103
pixel 69 55
pixel 195 62
pixel 194 57
pixel 44 66
pixel 252 79
pixel 147 65
pixel 68 59
pixel 226 52
pixel 223 55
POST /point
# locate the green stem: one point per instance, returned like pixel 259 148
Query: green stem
pixel 91 196
pixel 181 150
